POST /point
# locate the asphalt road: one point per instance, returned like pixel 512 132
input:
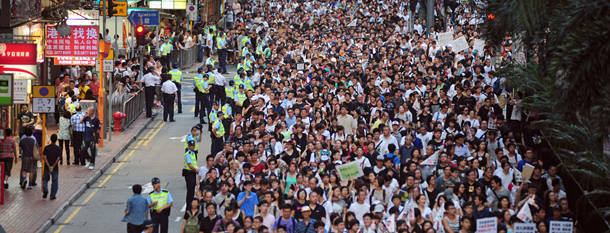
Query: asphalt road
pixel 157 153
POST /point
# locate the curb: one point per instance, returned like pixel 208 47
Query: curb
pixel 91 181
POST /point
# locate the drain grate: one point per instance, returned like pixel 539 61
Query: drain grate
pixel 80 205
pixel 113 203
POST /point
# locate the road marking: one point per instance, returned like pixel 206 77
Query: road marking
pixel 177 219
pixel 183 208
pixel 154 134
pixel 193 109
pixel 146 137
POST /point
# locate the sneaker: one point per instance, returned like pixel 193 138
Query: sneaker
pixel 33 184
pixel 91 167
pixel 88 164
pixel 30 187
pixel 44 194
pixel 52 198
pixel 5 185
pixel 23 184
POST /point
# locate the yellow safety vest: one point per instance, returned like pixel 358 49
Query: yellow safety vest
pixel 203 90
pixel 220 131
pixel 211 77
pixel 248 85
pixel 210 60
pixel 199 83
pixel 193 160
pixel 176 75
pixel 225 110
pixel 230 91
pixel 160 198
pixel 218 40
pixel 166 49
pixel 241 97
pixel 214 115
pixel 72 108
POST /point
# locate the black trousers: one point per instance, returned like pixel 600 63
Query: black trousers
pixel 65 144
pixel 77 143
pixel 160 221
pixel 191 182
pixel 150 100
pixel 216 144
pixel 198 103
pixel 134 228
pixel 168 107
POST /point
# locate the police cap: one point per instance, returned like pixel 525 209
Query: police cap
pixel 155 180
pixel 191 143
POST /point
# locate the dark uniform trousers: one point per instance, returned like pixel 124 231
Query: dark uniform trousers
pixel 190 177
pixel 77 143
pixel 168 106
pixel 150 100
pixel 160 220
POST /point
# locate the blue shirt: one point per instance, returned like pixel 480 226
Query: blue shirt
pixel 169 197
pixel 290 121
pixel 303 227
pixel 137 206
pixel 521 164
pixel 78 127
pixel 396 159
pixel 248 205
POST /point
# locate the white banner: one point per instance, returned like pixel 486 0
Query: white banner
pixel 444 38
pixel 561 227
pixel 524 228
pixel 487 225
pixel 432 160
pixel 479 45
pixel 459 44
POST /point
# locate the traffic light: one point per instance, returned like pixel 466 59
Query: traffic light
pixel 112 8
pixel 140 35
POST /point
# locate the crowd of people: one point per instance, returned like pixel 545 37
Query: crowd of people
pixel 439 141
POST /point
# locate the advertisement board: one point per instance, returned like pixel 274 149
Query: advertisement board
pixel 82 43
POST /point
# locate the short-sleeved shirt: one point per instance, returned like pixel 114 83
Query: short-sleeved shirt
pixel 91 126
pixel 248 205
pixel 52 152
pixel 7 148
pixel 27 146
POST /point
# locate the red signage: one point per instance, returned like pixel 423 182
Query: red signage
pixel 82 43
pixel 85 61
pixel 17 54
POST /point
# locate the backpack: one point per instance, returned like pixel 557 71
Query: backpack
pixel 294 223
pixel 62 103
pixel 192 223
pixel 497 88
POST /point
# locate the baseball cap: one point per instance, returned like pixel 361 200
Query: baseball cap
pixel 449 184
pixel 449 194
pixel 394 122
pixel 191 143
pixel 380 157
pixel 378 208
pixel 151 68
pixel 324 158
pixel 155 180
pixel 305 208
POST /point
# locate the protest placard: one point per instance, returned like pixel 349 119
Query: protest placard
pixel 524 228
pixel 432 160
pixel 479 45
pixel 561 227
pixel 349 170
pixel 459 44
pixel 487 225
pixel 444 38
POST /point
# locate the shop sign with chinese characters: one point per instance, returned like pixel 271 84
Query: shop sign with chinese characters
pixel 82 43
pixel 85 61
pixel 17 54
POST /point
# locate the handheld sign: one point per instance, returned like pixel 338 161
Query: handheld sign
pixel 561 227
pixel 524 228
pixel 487 225
pixel 349 170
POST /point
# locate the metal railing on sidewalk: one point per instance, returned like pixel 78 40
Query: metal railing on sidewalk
pixel 185 58
pixel 132 108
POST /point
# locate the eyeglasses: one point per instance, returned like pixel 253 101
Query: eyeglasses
pixel 271 163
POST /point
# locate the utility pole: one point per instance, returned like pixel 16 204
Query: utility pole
pixel 429 15
pixel 104 78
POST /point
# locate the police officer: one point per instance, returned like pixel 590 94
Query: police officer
pixel 221 45
pixel 240 97
pixel 219 84
pixel 230 90
pixel 166 52
pixel 218 133
pixel 150 81
pixel 161 202
pixel 170 92
pixel 198 88
pixel 210 60
pixel 194 135
pixel 190 172
pixel 227 111
pixel 212 82
pixel 213 115
pixel 177 79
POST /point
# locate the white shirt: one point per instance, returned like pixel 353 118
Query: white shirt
pixel 219 79
pixel 150 80
pixel 359 210
pixel 364 162
pixel 390 140
pixel 169 87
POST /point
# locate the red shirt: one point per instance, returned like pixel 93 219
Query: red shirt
pixel 95 88
pixel 260 167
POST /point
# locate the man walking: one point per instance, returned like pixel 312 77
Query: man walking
pixel 27 146
pixel 91 136
pixel 170 93
pixel 150 81
pixel 135 211
pixel 190 172
pixel 161 201
pixel 221 45
pixel 26 119
pixel 51 153
pixel 177 79
pixel 78 132
pixel 8 154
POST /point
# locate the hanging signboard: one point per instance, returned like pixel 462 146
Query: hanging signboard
pixel 17 54
pixel 6 89
pixel 82 43
pixel 85 61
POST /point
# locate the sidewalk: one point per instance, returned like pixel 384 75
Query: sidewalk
pixel 26 211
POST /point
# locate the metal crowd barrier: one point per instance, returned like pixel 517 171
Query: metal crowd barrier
pixel 132 108
pixel 185 58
